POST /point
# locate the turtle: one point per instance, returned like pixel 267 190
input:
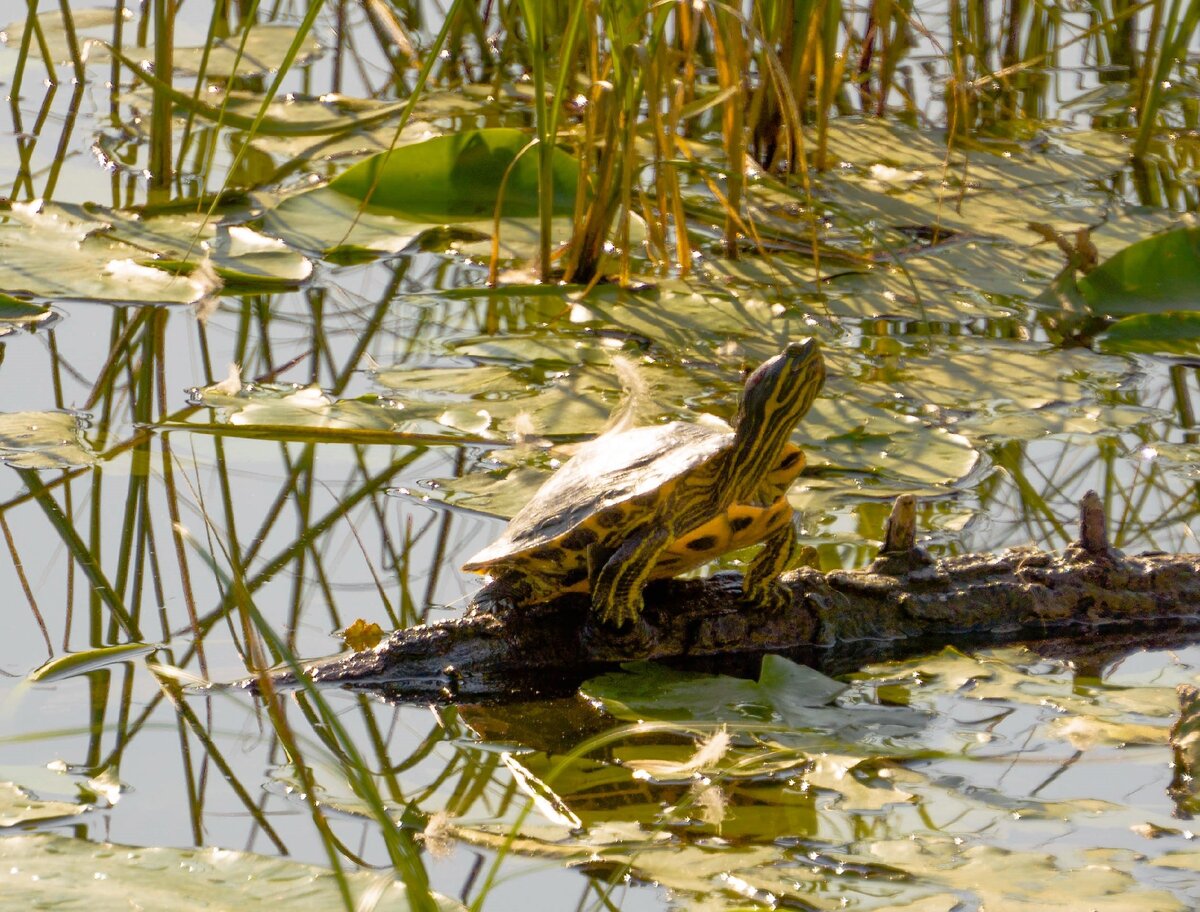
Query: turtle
pixel 655 501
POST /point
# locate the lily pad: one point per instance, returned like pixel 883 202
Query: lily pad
pixel 565 405
pixel 43 440
pixel 18 807
pixel 87 23
pixel 264 51
pixel 790 703
pixel 1031 377
pixel 52 250
pixel 1159 273
pixel 385 202
pixel 1002 211
pixel 1168 333
pixel 46 871
pixel 1003 879
pixel 244 258
pixel 284 406
pixel 866 142
pixel 853 435
pixel 39 793
pixel 16 313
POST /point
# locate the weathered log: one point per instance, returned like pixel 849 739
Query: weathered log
pixel 903 603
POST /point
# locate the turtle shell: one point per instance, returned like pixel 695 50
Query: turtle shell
pixel 613 484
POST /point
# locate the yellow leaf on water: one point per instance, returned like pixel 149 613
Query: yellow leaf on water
pixel 362 635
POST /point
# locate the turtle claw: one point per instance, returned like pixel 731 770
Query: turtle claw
pixel 775 598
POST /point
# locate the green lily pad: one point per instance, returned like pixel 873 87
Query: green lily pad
pixel 385 202
pixel 1183 861
pixel 853 435
pixel 15 310
pixel 565 405
pixel 866 142
pixel 43 440
pixel 444 383
pixel 1135 224
pixel 1003 211
pixel 644 689
pixel 1170 333
pixel 284 406
pixel 1157 274
pixel 32 794
pixel 984 376
pixel 16 313
pixel 458 178
pixel 45 871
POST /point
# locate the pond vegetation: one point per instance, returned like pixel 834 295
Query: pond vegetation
pixel 298 304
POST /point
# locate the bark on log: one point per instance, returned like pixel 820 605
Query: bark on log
pixel 904 603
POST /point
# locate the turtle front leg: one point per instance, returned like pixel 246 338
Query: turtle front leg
pixel 617 588
pixel 761 583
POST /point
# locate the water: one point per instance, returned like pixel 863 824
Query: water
pixel 972 407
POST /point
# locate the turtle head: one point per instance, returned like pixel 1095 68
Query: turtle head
pixel 775 398
pixel 781 390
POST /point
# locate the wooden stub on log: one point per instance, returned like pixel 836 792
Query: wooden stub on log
pixel 1093 533
pixel 900 554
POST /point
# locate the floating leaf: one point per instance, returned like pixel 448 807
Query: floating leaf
pixel 851 434
pixel 16 313
pixel 1183 861
pixel 77 663
pixel 458 178
pixel 981 375
pixel 1159 273
pixel 19 807
pixel 868 142
pixel 25 793
pixel 386 201
pixel 1135 224
pixel 361 635
pixel 85 23
pixel 241 256
pixel 43 440
pixel 43 871
pixel 16 310
pixel 1001 879
pixel 1171 333
pixel 644 689
pixel 290 411
pixel 53 250
pixel 262 49
pixel 786 694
